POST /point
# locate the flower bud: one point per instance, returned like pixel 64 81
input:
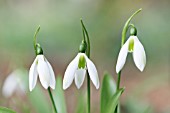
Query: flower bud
pixel 38 50
pixel 83 47
pixel 133 31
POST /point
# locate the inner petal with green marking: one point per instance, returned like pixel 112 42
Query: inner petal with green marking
pixel 131 45
pixel 82 62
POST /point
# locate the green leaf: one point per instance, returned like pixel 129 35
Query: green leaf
pixel 58 95
pixel 107 91
pixel 111 105
pixel 39 100
pixel 148 110
pixel 6 110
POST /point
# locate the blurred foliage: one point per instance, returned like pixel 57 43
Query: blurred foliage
pixel 61 29
pixel 58 95
pixel 6 110
pixel 134 106
pixel 80 107
pixel 39 100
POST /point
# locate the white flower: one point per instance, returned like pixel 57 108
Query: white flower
pixel 132 45
pixel 15 83
pixel 77 70
pixel 42 68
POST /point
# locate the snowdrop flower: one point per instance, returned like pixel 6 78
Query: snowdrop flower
pixel 76 71
pixel 42 68
pixel 134 46
pixel 15 83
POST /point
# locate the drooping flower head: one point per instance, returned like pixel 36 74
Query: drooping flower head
pixel 76 70
pixel 42 68
pixel 16 82
pixel 134 46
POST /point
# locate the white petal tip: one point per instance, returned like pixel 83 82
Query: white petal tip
pixel 141 69
pixel 46 87
pixel 78 87
pixel 117 70
pixel 52 87
pixel 30 89
pixel 97 87
pixel 64 86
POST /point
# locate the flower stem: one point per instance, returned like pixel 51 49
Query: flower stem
pixel 117 88
pixel 118 81
pixel 126 26
pixel 35 37
pixel 88 92
pixel 85 35
pixel 52 100
pixel 124 31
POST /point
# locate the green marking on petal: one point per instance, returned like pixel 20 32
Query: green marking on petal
pixel 82 62
pixel 131 45
pixel 37 62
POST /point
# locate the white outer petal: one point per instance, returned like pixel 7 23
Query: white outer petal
pixel 52 80
pixel 70 72
pixel 92 72
pixel 43 71
pixel 122 56
pixel 79 77
pixel 10 85
pixel 33 75
pixel 139 55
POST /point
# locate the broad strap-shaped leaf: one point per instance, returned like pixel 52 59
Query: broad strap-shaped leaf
pixel 6 110
pixel 39 100
pixel 111 105
pixel 107 91
pixel 58 95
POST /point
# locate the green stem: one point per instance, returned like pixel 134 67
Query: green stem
pixel 87 37
pixel 84 37
pixel 117 88
pixel 125 28
pixel 88 92
pixel 88 55
pixel 131 25
pixel 118 81
pixel 52 100
pixel 124 31
pixel 35 37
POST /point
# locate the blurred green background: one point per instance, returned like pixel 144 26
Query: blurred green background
pixel 61 34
